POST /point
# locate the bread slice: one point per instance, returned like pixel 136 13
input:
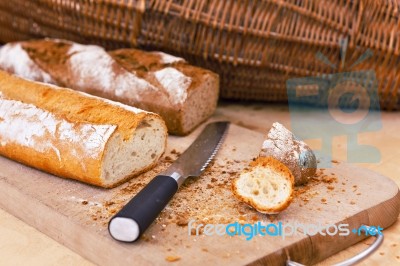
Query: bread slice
pixel 182 94
pixel 76 135
pixel 267 186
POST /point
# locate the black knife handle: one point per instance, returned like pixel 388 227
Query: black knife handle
pixel 136 216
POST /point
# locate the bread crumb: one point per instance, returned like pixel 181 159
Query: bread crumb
pixel 204 249
pixel 331 187
pixel 168 159
pixel 323 200
pixel 108 203
pixel 394 245
pixel 334 161
pixel 352 202
pixel 381 253
pixel 172 258
pixel 183 219
pixel 85 202
pixel 329 179
pixel 174 152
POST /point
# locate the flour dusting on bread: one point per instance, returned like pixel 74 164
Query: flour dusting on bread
pixel 14 59
pixel 168 59
pixel 182 94
pixel 30 126
pixel 94 69
pixel 75 135
pixel 175 83
pixel 294 153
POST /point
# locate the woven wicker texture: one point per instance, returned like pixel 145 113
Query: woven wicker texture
pixel 255 46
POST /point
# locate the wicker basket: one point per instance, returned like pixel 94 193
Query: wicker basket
pixel 256 46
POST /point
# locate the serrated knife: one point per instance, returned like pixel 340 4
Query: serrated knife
pixel 136 216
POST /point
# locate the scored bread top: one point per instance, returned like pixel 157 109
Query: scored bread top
pixel 182 94
pixel 172 73
pixel 91 69
pixel 72 105
pixel 122 75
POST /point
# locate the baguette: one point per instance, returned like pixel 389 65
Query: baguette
pixel 74 135
pixel 267 186
pixel 182 94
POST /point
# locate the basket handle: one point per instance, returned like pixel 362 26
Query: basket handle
pixel 359 257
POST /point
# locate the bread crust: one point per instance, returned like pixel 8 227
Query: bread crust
pixel 294 153
pixel 278 167
pixel 182 94
pixel 75 128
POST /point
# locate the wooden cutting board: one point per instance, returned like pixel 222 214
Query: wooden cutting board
pixel 77 215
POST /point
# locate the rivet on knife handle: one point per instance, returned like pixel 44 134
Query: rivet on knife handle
pixel 136 216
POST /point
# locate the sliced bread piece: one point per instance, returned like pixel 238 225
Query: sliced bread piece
pixel 267 186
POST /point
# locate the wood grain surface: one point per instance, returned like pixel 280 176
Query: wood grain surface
pixel 256 117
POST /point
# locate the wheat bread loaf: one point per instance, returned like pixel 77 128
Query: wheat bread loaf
pixel 182 94
pixel 76 135
pixel 267 185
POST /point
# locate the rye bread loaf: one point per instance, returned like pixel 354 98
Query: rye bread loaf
pixel 76 135
pixel 182 94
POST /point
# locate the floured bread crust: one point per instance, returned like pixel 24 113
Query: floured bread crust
pixel 267 185
pixel 191 93
pixel 294 153
pixel 14 59
pixel 75 135
pixel 182 94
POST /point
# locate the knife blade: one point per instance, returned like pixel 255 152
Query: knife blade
pixel 139 213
